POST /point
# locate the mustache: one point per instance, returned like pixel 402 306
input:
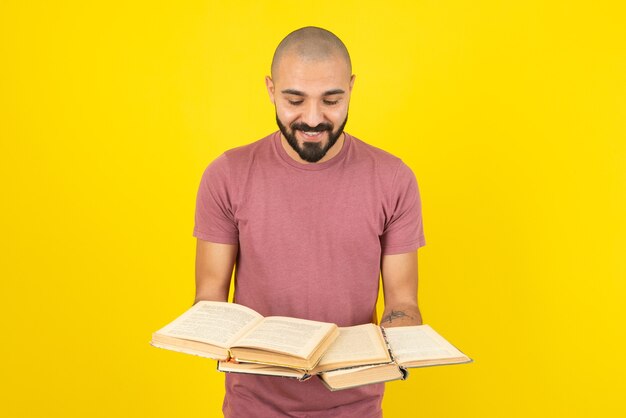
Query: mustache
pixel 300 126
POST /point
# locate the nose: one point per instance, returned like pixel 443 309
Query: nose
pixel 313 114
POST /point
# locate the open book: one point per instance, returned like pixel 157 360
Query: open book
pixel 365 354
pixel 223 331
pixel 357 345
pixel 413 346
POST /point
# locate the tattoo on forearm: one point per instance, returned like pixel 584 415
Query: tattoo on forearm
pixel 394 315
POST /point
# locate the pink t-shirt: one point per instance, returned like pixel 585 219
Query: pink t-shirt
pixel 310 241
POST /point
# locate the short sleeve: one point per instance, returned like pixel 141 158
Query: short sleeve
pixel 403 231
pixel 214 220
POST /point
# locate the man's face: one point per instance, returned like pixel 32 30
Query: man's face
pixel 311 99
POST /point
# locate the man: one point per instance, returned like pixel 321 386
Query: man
pixel 311 217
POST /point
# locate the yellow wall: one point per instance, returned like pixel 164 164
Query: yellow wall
pixel 512 115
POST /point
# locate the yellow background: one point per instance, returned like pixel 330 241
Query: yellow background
pixel 512 115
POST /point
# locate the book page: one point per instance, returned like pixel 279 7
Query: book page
pixel 294 336
pixel 363 375
pixel 216 323
pixel 262 369
pixel 419 342
pixel 357 343
pixel 351 370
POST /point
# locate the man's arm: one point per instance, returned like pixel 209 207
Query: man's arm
pixel 214 268
pixel 399 273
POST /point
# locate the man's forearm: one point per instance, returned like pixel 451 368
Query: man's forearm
pixel 217 297
pixel 400 316
pixel 214 267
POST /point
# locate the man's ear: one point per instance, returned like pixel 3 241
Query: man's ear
pixel 269 83
pixel 352 81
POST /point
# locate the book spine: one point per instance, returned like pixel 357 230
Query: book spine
pixel 405 372
pixel 388 346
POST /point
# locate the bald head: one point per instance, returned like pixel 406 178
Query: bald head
pixel 311 44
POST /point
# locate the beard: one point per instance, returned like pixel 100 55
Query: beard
pixel 311 152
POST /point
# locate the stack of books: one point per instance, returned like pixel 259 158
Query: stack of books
pixel 243 341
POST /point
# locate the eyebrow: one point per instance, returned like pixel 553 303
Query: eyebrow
pixel 303 94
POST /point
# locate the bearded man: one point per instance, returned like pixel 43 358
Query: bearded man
pixel 311 217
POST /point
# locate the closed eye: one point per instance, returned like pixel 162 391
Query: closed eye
pixel 331 102
pixel 295 102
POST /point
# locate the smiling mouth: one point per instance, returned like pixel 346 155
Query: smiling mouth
pixel 312 134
